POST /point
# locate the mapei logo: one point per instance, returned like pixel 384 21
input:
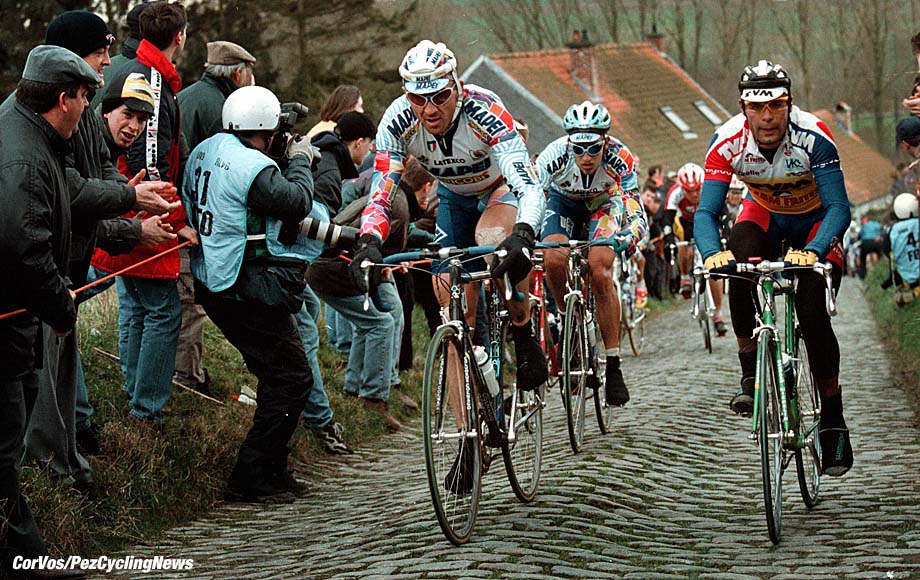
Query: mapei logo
pixel 793 163
pixel 421 85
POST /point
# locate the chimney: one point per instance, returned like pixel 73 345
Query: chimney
pixel 582 67
pixel 843 116
pixel 656 38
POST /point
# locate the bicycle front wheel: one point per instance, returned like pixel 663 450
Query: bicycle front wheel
pixel 808 458
pixel 574 369
pixel 598 359
pixel 450 429
pixel 522 448
pixel 770 434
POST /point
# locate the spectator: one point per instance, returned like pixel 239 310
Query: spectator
pixel 912 102
pixel 871 244
pixel 35 239
pixel 654 252
pixel 149 311
pixel 128 49
pixel 655 177
pixel 908 137
pixel 343 148
pixel 905 250
pixel 250 288
pixel 228 67
pixel 343 99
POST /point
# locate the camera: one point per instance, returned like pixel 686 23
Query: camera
pixel 291 114
pixel 329 233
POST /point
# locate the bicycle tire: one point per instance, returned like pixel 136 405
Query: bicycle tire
pixel 574 347
pixel 808 458
pixel 603 411
pixel 704 319
pixel 524 456
pixel 632 325
pixel 770 435
pixel 446 420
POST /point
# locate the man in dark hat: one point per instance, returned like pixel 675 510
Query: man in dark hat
pixel 908 137
pixel 34 245
pixel 128 48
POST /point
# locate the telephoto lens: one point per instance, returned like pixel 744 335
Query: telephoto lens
pixel 330 234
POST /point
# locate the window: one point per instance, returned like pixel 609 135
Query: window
pixel 681 125
pixel 710 115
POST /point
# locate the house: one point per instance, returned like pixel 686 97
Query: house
pixel 663 115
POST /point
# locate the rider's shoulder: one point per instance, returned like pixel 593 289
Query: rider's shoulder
pixel 480 95
pixel 733 126
pixel 804 121
pixel 398 119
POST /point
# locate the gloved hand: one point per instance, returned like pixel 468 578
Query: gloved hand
pixel 800 257
pixel 721 262
pixel 302 146
pixel 368 248
pixel 620 244
pixel 669 238
pixel 519 247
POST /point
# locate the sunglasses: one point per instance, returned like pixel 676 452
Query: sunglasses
pixel 438 99
pixel 775 106
pixel 592 149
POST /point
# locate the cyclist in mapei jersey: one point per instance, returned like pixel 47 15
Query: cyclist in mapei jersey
pixel 591 181
pixel 796 196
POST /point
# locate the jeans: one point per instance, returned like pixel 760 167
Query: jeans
pixel 149 318
pixel 374 347
pixel 316 413
pixel 339 331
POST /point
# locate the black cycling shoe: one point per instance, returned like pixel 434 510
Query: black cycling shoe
pixel 532 370
pixel 743 401
pixel 836 451
pixel 459 479
pixel 721 327
pixel 615 388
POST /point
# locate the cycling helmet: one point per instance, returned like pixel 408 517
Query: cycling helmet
pixel 905 206
pixel 737 185
pixel 428 67
pixel 690 176
pixel 763 82
pixel 585 121
pixel 251 109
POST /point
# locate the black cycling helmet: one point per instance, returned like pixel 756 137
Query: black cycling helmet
pixel 764 81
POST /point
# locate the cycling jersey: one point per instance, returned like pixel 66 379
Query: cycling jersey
pixel 801 185
pixel 479 153
pixel 677 202
pixel 615 180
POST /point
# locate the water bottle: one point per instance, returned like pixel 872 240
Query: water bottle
pixel 789 372
pixel 592 332
pixel 488 371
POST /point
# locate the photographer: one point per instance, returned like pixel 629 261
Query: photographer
pixel 248 283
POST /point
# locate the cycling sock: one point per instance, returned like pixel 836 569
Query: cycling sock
pixel 748 362
pixel 613 362
pixel 832 412
pixel 613 352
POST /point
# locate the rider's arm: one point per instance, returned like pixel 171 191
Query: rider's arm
pixel 388 168
pixel 518 171
pixel 712 199
pixel 633 222
pixel 825 166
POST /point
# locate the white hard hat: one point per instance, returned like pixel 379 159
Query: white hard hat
pixel 905 206
pixel 251 109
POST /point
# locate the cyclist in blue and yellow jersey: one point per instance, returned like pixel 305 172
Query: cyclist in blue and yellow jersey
pixel 797 198
pixel 591 181
pixel 487 191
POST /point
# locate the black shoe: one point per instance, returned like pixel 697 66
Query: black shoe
pixel 459 480
pixel 87 489
pixel 88 440
pixel 836 451
pixel 267 494
pixel 532 370
pixel 287 482
pixel 332 439
pixel 743 401
pixel 721 327
pixel 615 387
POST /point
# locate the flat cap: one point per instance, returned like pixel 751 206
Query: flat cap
pixel 908 129
pixel 224 52
pixel 54 64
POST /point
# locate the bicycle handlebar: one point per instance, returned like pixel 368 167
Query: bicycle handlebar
pixel 768 267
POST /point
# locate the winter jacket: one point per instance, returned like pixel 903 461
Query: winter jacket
pixel 201 105
pixel 34 237
pixel 116 67
pixel 334 166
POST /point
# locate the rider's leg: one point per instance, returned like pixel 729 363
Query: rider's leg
pixel 607 302
pixel 554 263
pixel 715 286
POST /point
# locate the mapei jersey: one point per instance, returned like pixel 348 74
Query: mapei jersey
pixel 479 152
pixel 802 181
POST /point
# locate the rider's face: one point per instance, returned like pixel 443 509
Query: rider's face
pixel 588 155
pixel 436 118
pixel 767 121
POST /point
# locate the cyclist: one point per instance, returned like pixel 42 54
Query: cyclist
pixel 487 188
pixel 736 192
pixel 683 199
pixel 789 162
pixel 591 181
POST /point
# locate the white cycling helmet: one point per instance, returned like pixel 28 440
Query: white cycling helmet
pixel 737 185
pixel 690 176
pixel 586 121
pixel 905 206
pixel 428 67
pixel 251 109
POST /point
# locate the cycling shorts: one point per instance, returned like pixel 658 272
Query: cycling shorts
pixel 601 214
pixel 458 215
pixel 791 230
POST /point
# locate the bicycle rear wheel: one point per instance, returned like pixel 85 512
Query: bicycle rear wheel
pixel 598 379
pixel 808 458
pixel 632 325
pixel 450 429
pixel 704 319
pixel 770 435
pixel 574 369
pixel 523 454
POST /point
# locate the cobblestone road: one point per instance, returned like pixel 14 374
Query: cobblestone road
pixel 672 493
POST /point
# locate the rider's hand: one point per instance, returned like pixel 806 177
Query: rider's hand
pixel 620 244
pixel 368 248
pixel 519 247
pixel 721 262
pixel 804 258
pixel 302 146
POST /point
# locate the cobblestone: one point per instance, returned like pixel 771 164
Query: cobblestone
pixel 672 493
